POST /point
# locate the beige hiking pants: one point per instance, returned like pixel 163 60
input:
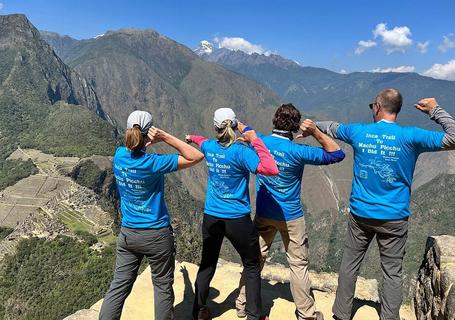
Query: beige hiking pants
pixel 295 241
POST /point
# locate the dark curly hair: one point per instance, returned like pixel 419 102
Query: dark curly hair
pixel 287 118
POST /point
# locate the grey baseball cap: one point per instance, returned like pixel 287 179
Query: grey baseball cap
pixel 141 118
pixel 223 114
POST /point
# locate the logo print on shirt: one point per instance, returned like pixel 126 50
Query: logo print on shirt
pixel 382 169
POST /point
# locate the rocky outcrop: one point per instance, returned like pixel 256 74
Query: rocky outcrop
pixel 276 296
pixel 435 290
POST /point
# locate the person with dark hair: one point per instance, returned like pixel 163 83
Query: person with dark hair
pixel 227 207
pixel 278 202
pixel 146 230
pixel 385 155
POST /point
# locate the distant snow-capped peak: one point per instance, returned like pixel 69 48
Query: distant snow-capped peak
pixel 205 47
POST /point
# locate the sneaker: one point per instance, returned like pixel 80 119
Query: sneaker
pixel 241 313
pixel 204 314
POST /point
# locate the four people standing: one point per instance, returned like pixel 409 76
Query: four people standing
pixel 384 160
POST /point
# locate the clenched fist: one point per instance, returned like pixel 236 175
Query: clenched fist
pixel 248 136
pixel 308 128
pixel 426 104
pixel 156 135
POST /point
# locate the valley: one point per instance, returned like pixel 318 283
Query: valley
pixel 72 97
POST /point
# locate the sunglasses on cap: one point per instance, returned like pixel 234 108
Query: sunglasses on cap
pixel 371 105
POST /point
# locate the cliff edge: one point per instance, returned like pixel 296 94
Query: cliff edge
pixel 277 299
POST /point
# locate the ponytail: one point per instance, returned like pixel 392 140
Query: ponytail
pixel 226 135
pixel 134 140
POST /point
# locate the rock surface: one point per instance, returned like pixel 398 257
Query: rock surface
pixel 435 290
pixel 277 299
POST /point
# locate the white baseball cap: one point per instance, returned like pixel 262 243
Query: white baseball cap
pixel 141 118
pixel 223 114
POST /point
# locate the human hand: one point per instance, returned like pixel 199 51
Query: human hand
pixel 426 105
pixel 308 128
pixel 247 136
pixel 156 135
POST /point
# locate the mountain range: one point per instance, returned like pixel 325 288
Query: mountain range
pixel 71 97
pixel 331 95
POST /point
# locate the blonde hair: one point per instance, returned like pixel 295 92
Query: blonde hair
pixel 226 136
pixel 134 140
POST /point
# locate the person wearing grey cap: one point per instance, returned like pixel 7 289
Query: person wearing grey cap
pixel 227 207
pixel 145 230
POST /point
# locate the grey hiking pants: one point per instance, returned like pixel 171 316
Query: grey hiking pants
pixel 391 237
pixel 157 245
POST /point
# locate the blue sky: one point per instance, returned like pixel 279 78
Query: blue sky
pixel 316 33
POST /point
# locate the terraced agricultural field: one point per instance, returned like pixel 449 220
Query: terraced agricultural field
pixel 50 191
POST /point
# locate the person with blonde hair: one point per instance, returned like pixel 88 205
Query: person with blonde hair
pixel 146 230
pixel 227 206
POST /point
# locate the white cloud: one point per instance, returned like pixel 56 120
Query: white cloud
pixel 395 69
pixel 394 40
pixel 423 46
pixel 1 6
pixel 442 71
pixel 364 45
pixel 238 43
pixel 447 43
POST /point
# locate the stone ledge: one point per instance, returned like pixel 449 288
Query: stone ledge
pixel 435 289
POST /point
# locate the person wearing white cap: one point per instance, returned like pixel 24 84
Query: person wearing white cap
pixel 146 230
pixel 227 207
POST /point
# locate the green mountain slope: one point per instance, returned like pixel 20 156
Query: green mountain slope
pixel 32 80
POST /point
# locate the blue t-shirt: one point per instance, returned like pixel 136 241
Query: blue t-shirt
pixel 140 182
pixel 228 176
pixel 278 197
pixel 385 155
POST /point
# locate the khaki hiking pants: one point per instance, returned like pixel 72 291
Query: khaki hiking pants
pixel 295 241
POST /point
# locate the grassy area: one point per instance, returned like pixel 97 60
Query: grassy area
pixel 52 279
pixel 4 232
pixel 74 220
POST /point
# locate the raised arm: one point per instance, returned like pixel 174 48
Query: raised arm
pixel 332 150
pixel 189 156
pixel 441 117
pixel 328 127
pixel 199 140
pixel 267 165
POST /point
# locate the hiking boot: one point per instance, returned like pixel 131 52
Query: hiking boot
pixel 241 313
pixel 204 314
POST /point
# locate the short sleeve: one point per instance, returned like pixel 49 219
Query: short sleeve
pixel 345 132
pixel 309 155
pixel 164 163
pixel 426 140
pixel 249 158
pixel 202 146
